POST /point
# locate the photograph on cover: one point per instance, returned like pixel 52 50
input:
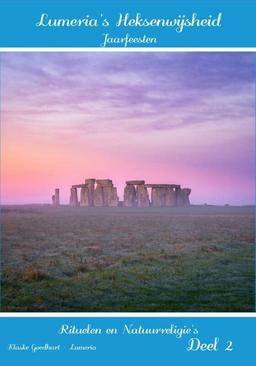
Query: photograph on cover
pixel 127 182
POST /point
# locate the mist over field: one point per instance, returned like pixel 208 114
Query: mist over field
pixel 198 258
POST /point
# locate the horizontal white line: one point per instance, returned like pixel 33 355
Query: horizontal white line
pixel 128 49
pixel 129 315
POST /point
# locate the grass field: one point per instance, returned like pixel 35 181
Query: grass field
pixel 199 258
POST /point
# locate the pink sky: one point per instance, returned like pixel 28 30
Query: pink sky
pixel 164 117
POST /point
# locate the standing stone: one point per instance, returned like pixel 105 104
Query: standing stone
pixel 113 198
pixel 90 183
pixel 98 196
pixel 179 197
pixel 185 193
pixel 130 196
pixel 142 196
pixel 171 197
pixel 163 192
pixel 53 200
pixel 57 196
pixel 84 196
pixel 73 197
pixel 159 196
pixel 107 186
pixel 107 194
pixel 155 197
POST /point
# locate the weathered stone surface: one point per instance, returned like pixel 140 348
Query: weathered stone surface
pixel 159 196
pixel 179 197
pixel 185 193
pixel 84 196
pixel 162 185
pixel 90 184
pixel 130 196
pixel 57 196
pixel 114 198
pixel 90 181
pixel 104 182
pixel 53 200
pixel 163 196
pixel 155 197
pixel 142 196
pixel 73 197
pixel 98 196
pixel 135 182
pixel 135 194
pixel 106 194
pixel 171 199
pixel 79 185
